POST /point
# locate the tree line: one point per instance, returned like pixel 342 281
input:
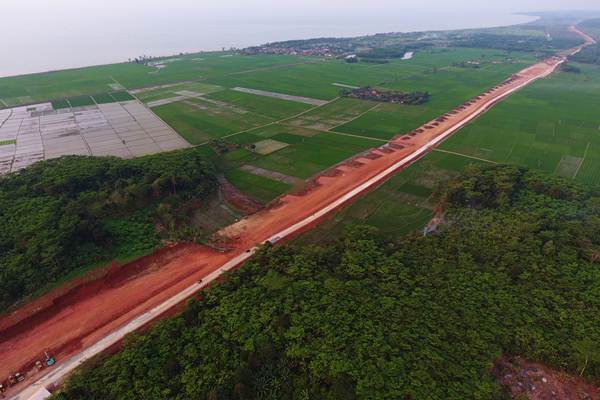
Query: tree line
pixel 513 271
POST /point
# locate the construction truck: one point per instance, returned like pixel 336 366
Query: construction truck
pixel 49 360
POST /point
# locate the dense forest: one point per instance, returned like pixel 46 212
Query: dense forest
pixel 512 271
pixel 60 215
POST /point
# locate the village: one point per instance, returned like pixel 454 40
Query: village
pixel 387 96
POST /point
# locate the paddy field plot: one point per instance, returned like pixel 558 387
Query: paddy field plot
pixel 402 205
pixel 552 125
pixel 334 114
pixel 200 121
pixel 307 156
pixel 271 107
pixel 48 86
pixel 281 96
pixel 153 94
pixel 41 132
pixel 268 146
pixel 259 187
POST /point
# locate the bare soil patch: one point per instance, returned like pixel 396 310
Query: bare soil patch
pixel 273 175
pixel 237 199
pixel 538 382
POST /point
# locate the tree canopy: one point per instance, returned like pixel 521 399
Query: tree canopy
pixel 513 271
pixel 60 215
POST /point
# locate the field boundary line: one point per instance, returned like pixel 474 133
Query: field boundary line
pixel 338 133
pixel 358 136
pixel 465 155
pixel 272 67
pixel 269 124
pixel 357 117
pixel 582 161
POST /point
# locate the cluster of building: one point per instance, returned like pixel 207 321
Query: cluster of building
pixel 317 51
pixel 387 96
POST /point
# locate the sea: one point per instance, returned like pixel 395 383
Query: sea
pixel 43 40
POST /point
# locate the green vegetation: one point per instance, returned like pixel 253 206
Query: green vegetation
pixel 103 98
pixel 153 94
pixel 87 81
pixel 518 43
pixel 121 96
pixel 57 216
pixel 266 106
pixel 258 187
pixel 7 142
pixel 513 272
pixel 81 101
pixel 590 54
pixel 388 96
pixel 551 122
pixel 313 154
pixel 60 104
pixel 400 206
pixel 200 121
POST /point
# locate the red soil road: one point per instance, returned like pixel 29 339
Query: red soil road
pixel 82 318
pixel 74 320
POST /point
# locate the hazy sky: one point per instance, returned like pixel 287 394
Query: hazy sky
pixel 39 35
pixel 223 9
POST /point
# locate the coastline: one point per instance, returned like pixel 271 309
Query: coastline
pixel 278 34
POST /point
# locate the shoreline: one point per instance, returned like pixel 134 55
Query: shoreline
pixel 283 39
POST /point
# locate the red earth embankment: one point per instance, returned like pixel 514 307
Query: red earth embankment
pixel 72 318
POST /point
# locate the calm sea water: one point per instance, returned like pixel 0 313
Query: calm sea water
pixel 38 41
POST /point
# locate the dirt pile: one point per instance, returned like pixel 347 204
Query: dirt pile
pixel 537 382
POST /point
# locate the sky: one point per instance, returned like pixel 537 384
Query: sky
pixel 289 9
pixel 39 35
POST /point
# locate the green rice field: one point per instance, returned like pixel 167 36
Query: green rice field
pixel 552 125
pixel 549 126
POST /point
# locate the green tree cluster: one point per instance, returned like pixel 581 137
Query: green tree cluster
pixel 537 44
pixel 60 215
pixel 514 271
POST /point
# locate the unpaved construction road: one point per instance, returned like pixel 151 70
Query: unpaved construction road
pixel 87 321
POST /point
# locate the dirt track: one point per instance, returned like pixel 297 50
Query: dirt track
pixel 83 317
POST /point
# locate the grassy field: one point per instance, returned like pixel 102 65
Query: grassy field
pixel 200 121
pixel 75 82
pixel 552 125
pixel 171 91
pixel 448 85
pixel 303 140
pixel 333 114
pixel 266 106
pixel 307 156
pixel 81 101
pixel 258 187
pixel 402 205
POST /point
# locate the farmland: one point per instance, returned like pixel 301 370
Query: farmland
pixel 318 137
pixel 551 126
pixel 401 205
pixel 198 96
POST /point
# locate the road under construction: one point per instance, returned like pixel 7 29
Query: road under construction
pixel 95 318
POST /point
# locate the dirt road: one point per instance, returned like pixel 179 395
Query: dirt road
pixel 80 326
